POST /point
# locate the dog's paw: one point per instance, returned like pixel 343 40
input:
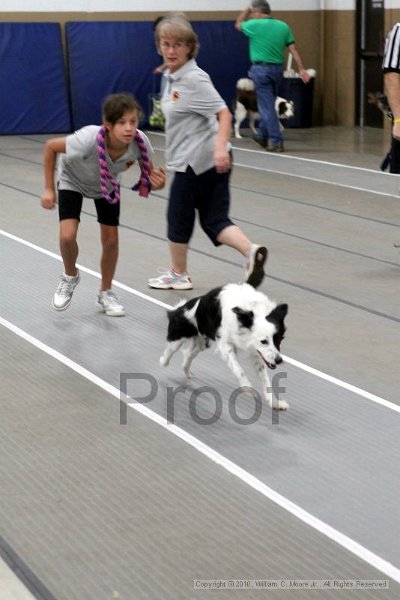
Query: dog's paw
pixel 163 361
pixel 188 373
pixel 279 405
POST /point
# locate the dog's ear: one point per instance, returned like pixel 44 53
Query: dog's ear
pixel 277 317
pixel 245 317
pixel 278 314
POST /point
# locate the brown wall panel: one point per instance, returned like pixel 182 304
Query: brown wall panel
pixel 339 47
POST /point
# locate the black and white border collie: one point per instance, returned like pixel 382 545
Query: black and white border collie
pixel 245 106
pixel 237 318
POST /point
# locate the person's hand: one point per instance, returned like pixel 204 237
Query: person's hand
pixel 159 69
pixel 304 75
pixel 222 160
pixel 157 178
pixel 48 199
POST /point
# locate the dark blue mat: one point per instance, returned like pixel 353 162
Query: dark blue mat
pixel 33 93
pixel 108 57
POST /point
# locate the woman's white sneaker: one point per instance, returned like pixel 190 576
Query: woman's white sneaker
pixel 63 296
pixel 169 280
pixel 108 303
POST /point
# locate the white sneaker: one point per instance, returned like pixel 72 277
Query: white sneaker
pixel 108 303
pixel 169 280
pixel 254 267
pixel 63 296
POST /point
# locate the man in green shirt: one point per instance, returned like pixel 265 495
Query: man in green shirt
pixel 268 39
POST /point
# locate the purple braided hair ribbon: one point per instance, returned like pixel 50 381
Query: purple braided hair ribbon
pixel 105 169
pixel 143 185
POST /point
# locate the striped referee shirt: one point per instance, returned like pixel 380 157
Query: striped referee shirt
pixel 391 58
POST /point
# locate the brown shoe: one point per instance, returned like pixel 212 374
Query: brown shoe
pixel 262 141
pixel 276 148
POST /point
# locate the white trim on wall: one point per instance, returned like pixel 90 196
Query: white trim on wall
pixel 389 4
pixel 338 4
pixel 164 6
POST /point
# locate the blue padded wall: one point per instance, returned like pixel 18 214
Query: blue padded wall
pixel 223 54
pixel 33 94
pixel 108 57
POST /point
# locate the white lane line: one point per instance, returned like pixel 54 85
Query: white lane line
pixel 347 386
pixel 330 532
pixel 292 361
pixel 289 156
pixel 277 171
pixel 11 586
pixel 82 268
pixel 317 180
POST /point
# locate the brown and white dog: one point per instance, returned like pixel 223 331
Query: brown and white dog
pixel 245 106
pixel 379 100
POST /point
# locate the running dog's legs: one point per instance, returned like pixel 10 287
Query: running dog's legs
pixel 262 372
pixel 170 350
pixel 252 122
pixel 197 345
pixel 229 355
pixel 240 115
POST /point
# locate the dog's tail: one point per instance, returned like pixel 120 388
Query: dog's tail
pixel 180 302
pixel 174 310
pixel 245 84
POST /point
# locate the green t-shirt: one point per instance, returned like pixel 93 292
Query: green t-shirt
pixel 268 39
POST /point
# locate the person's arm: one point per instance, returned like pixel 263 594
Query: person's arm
pixel 244 15
pixel 51 149
pixel 300 67
pixel 221 153
pixel 392 86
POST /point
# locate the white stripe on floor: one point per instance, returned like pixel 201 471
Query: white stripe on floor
pixel 329 378
pixel 333 534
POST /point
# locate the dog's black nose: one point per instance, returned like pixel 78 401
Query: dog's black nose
pixel 278 359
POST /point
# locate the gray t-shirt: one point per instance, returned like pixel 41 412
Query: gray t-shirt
pixel 79 168
pixel 190 103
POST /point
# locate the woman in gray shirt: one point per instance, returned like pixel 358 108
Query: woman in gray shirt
pixel 198 128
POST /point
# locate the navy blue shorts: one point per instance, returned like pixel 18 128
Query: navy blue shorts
pixel 207 193
pixel 70 206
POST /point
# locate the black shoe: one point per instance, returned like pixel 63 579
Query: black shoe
pixel 276 148
pixel 263 142
pixel 254 267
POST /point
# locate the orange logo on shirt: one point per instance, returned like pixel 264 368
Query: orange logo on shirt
pixel 175 96
pixel 129 163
